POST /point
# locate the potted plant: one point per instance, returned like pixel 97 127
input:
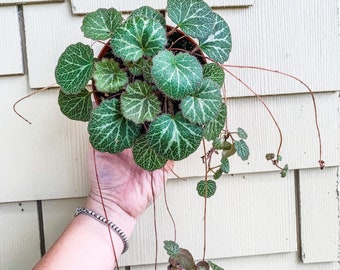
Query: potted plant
pixel 158 89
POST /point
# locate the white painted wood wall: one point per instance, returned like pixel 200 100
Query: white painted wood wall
pixel 257 220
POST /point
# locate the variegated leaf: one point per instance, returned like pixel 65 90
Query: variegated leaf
pixel 137 37
pixel 109 78
pixel 217 44
pixel 76 106
pixel 139 103
pixel 176 75
pixel 174 137
pixel 213 129
pixel 145 156
pixel 109 130
pixel 206 188
pixel 150 13
pixel 101 24
pixel 242 149
pixel 194 17
pixel 204 104
pixel 74 68
pixel 214 72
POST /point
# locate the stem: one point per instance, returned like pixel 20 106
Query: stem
pixel 264 104
pixel 173 30
pixel 27 96
pixel 168 208
pixel 205 206
pixel 321 162
pixel 104 208
pixel 154 219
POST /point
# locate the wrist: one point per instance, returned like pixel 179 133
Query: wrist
pixel 113 213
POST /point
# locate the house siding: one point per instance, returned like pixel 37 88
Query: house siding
pixel 262 221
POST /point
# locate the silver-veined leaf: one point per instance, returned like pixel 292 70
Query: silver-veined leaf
pixel 213 129
pixel 109 78
pixel 76 106
pixel 284 171
pixel 109 130
pixel 204 104
pixel 150 13
pixel 225 164
pixel 172 248
pixel 139 103
pixel 145 156
pixel 173 136
pixel 137 37
pixel 206 188
pixel 217 44
pixel 194 17
pixel 214 72
pixel 176 75
pixel 241 133
pixel 101 24
pixel 242 149
pixel 214 266
pixel 74 68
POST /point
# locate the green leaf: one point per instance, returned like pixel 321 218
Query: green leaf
pixel 214 266
pixel 241 133
pixel 194 17
pixel 270 156
pixel 101 24
pixel 109 78
pixel 74 68
pixel 172 248
pixel 229 150
pixel 206 188
pixel 109 130
pixel 145 156
pixel 218 174
pixel 225 164
pixel 214 72
pixel 76 106
pixel 213 129
pixel 176 75
pixel 242 149
pixel 139 104
pixel 150 13
pixel 204 104
pixel 174 137
pixel 217 44
pixel 137 37
pixel 284 171
pixel 221 143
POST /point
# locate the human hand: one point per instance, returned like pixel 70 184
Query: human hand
pixel 122 182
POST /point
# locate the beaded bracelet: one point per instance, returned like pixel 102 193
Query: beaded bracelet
pixel 103 220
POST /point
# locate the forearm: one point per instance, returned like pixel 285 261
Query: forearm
pixel 86 243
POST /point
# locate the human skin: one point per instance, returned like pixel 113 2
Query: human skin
pixel 126 190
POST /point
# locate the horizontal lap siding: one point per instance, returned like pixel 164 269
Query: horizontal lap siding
pixel 313 61
pixel 255 207
pixel 10 46
pixel 19 236
pixel 283 261
pixel 82 7
pixel 319 215
pixel 25 2
pixel 43 160
pixel 238 213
